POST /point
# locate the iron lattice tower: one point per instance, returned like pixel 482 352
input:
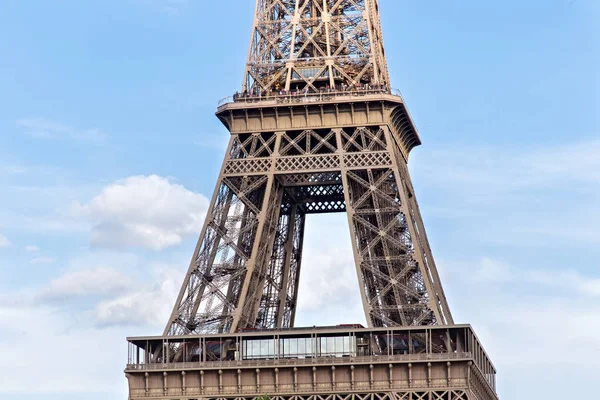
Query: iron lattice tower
pixel 315 129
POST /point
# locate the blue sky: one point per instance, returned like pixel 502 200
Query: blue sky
pixel 109 150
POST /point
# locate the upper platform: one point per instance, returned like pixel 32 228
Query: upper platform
pixel 336 107
pixel 339 94
pixel 342 359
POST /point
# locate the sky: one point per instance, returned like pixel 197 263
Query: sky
pixel 109 150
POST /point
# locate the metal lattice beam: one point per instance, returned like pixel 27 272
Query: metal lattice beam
pixel 246 269
pixel 314 43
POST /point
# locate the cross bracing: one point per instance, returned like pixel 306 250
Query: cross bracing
pixel 245 271
pixel 311 44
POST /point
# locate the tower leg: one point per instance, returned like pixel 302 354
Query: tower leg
pixel 230 246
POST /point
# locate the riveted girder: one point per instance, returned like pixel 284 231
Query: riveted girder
pixel 315 130
pixel 247 264
pixel 314 44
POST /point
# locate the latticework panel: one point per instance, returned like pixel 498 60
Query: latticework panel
pixel 314 43
pixel 323 178
pixel 393 284
pixel 248 167
pixel 278 301
pixel 246 267
pixel 371 138
pixel 430 394
pixel 367 159
pixel 308 163
pixel 247 310
pixel 252 145
pixel 212 287
pixel 321 141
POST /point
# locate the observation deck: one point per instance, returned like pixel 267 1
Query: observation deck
pixel 336 95
pixel 328 108
pixel 304 362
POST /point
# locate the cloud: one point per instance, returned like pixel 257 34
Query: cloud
pixel 4 242
pixel 534 322
pixel 42 260
pixel 143 211
pixel 149 305
pixel 64 364
pixel 12 169
pixel 42 128
pixel 540 196
pixel 87 282
pixel 497 170
pixel 495 272
pixel 31 249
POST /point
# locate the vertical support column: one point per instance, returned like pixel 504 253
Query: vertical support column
pixel 165 383
pixel 414 233
pixel 171 326
pixel 290 63
pixel 220 381
pixel 146 383
pixel 368 11
pixel 289 247
pixel 421 241
pixel 295 279
pixel 333 384
pixel 295 379
pixel 183 382
pixel 248 301
pixel 428 374
pixel 201 382
pixel 350 215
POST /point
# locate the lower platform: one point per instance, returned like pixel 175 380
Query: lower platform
pixel 330 363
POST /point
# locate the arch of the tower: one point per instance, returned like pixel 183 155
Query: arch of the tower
pixel 246 268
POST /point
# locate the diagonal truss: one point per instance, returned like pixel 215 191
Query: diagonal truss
pixel 312 44
pixel 246 268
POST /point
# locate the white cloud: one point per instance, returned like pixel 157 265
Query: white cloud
pixel 42 260
pixel 32 249
pixel 145 306
pixel 534 323
pixel 329 293
pixel 4 242
pixel 42 128
pixel 495 272
pixel 145 211
pixel 64 365
pixel 497 170
pixel 12 169
pixel 100 280
pixel 540 196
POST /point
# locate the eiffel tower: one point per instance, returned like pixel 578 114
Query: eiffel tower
pixel 316 128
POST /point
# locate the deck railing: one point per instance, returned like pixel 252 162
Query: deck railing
pixel 301 361
pixel 302 96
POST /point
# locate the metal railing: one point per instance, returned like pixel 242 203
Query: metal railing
pixel 302 96
pixel 300 361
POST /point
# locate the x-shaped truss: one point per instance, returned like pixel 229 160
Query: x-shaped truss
pixel 310 43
